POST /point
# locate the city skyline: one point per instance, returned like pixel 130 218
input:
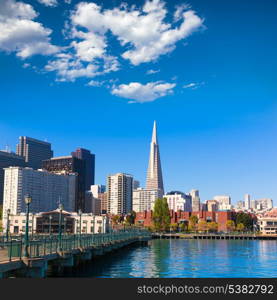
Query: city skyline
pixel 212 91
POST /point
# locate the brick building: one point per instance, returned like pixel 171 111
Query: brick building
pixel 220 217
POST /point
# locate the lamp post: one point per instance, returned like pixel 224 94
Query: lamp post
pixel 8 224
pixel 28 200
pixel 80 226
pixel 50 225
pixel 60 226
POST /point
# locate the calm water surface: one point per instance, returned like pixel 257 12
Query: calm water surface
pixel 187 258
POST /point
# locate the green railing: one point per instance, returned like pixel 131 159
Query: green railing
pixel 47 245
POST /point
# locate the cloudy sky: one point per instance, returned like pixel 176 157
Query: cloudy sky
pixel 96 74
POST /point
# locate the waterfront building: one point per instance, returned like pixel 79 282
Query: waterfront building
pixel 144 199
pixel 34 151
pixel 89 161
pixel 68 165
pixel 224 202
pixel 48 222
pixel 179 201
pixel 220 217
pixel 46 189
pixel 267 222
pixel 119 193
pixel 195 200
pixel 8 159
pixel 154 180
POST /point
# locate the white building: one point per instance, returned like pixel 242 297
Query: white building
pixel 179 201
pixel 97 189
pixel 267 222
pixel 40 223
pixel 46 189
pixel 144 199
pixel 224 202
pixel 247 201
pixel 119 193
pixel 195 200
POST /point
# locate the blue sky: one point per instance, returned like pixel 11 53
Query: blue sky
pixel 97 74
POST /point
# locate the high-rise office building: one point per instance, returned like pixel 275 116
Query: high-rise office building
pixel 34 151
pixel 89 159
pixel 154 178
pixel 195 200
pixel 70 164
pixel 46 189
pixel 8 159
pixel 119 193
pixel 144 199
pixel 247 201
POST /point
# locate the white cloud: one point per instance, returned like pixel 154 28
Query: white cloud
pixel 144 30
pixel 96 83
pixel 143 92
pixel 52 3
pixel 149 72
pixel 193 85
pixel 20 34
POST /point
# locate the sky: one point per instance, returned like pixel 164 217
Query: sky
pixel 96 74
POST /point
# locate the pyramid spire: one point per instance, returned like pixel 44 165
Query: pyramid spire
pixel 154 173
pixel 154 134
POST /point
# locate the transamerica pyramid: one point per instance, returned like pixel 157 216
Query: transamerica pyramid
pixel 154 178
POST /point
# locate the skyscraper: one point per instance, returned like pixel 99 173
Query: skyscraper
pixel 8 159
pixel 68 165
pixel 120 193
pixel 34 151
pixel 247 201
pixel 154 174
pixel 195 200
pixel 89 159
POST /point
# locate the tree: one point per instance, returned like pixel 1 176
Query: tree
pixel 193 220
pixel 174 226
pixel 230 225
pixel 212 226
pixel 183 227
pixel 161 215
pixel 202 226
pixel 115 219
pixel 240 227
pixel 131 217
pixel 245 219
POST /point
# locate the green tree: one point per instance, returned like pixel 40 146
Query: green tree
pixel 183 227
pixel 212 226
pixel 240 227
pixel 230 225
pixel 161 215
pixel 245 219
pixel 174 226
pixel 202 226
pixel 115 219
pixel 193 220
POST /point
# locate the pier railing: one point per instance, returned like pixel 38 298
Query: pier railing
pixel 40 245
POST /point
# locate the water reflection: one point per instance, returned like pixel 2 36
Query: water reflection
pixel 187 258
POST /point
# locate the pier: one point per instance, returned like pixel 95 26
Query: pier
pixel 18 259
pixel 211 236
